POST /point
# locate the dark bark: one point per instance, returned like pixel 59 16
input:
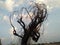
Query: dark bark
pixel 30 32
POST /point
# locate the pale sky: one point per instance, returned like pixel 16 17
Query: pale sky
pixel 51 25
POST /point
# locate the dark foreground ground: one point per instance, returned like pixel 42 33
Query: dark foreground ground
pixel 55 43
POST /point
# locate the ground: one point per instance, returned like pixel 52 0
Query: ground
pixel 55 43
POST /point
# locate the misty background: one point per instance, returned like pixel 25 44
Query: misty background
pixel 51 25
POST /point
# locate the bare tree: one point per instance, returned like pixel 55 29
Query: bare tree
pixel 40 14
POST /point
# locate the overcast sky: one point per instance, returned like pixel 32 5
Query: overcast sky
pixel 51 25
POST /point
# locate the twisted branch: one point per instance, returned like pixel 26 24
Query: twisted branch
pixel 14 31
pixel 26 11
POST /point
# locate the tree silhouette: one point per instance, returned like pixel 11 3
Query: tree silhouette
pixel 39 14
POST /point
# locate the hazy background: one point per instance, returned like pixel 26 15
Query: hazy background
pixel 51 25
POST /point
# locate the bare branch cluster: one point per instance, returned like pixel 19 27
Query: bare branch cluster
pixel 39 15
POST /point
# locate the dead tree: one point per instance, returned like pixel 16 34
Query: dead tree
pixel 32 31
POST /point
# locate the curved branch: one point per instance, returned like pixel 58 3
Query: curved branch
pixel 14 31
pixel 26 11
pixel 11 23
